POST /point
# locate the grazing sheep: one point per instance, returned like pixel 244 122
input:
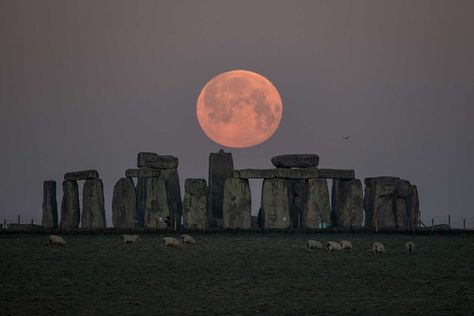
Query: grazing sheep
pixel 186 239
pixel 345 244
pixel 313 244
pixel 333 246
pixel 56 240
pixel 171 242
pixel 410 246
pixel 378 247
pixel 129 239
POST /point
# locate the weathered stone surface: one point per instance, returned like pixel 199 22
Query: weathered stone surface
pixel 317 213
pixel 173 195
pixel 142 173
pixel 347 203
pixel 153 160
pixel 296 161
pixel 93 211
pixel 157 214
pixel 70 210
pixel 336 174
pixel 237 207
pixel 275 204
pixel 276 173
pixel 390 203
pixel 221 167
pixel 124 204
pixel 296 200
pixel 50 206
pixel 195 204
pixel 141 201
pixel 304 173
pixel 81 175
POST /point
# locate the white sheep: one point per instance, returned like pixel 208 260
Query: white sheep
pixel 129 239
pixel 56 240
pixel 171 242
pixel 378 247
pixel 313 244
pixel 410 246
pixel 333 246
pixel 345 244
pixel 186 239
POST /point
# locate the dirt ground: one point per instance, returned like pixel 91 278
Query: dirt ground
pixel 236 274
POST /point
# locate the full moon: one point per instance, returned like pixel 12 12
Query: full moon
pixel 239 109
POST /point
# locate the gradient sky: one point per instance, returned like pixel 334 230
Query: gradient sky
pixel 88 84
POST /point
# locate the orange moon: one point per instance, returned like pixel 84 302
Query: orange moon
pixel 239 109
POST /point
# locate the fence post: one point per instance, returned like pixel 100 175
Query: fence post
pixel 432 224
pixel 449 221
pixel 464 223
pixel 31 222
pixel 18 220
pixel 5 224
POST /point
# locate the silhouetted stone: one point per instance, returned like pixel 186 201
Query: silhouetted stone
pixel 124 204
pixel 173 195
pixel 93 211
pixel 81 175
pixel 70 210
pixel 157 214
pixel 347 203
pixel 336 174
pixel 317 212
pixel 390 203
pixel 50 206
pixel 141 201
pixel 303 173
pixel 237 206
pixel 296 161
pixel 221 167
pixel 276 173
pixel 153 160
pixel 142 173
pixel 275 204
pixel 195 204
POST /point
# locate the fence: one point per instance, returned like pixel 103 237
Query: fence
pixel 451 222
pixel 6 221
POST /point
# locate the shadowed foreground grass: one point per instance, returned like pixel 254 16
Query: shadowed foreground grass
pixel 246 274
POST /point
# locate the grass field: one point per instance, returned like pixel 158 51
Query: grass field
pixel 241 273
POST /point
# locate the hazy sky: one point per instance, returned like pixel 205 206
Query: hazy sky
pixel 88 84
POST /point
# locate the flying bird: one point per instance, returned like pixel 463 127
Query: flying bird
pixel 346 137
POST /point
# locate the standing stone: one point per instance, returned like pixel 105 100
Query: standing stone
pixel 221 167
pixel 81 175
pixel 50 207
pixel 195 204
pixel 173 195
pixel 390 203
pixel 317 213
pixel 93 211
pixel 296 199
pixel 347 203
pixel 237 206
pixel 70 211
pixel 141 201
pixel 124 204
pixel 414 211
pixel 275 203
pixel 157 214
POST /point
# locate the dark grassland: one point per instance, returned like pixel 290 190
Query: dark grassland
pixel 236 273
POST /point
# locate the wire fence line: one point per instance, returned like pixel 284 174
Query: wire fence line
pixel 451 221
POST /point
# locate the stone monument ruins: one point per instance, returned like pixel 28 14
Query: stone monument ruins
pixel 295 194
